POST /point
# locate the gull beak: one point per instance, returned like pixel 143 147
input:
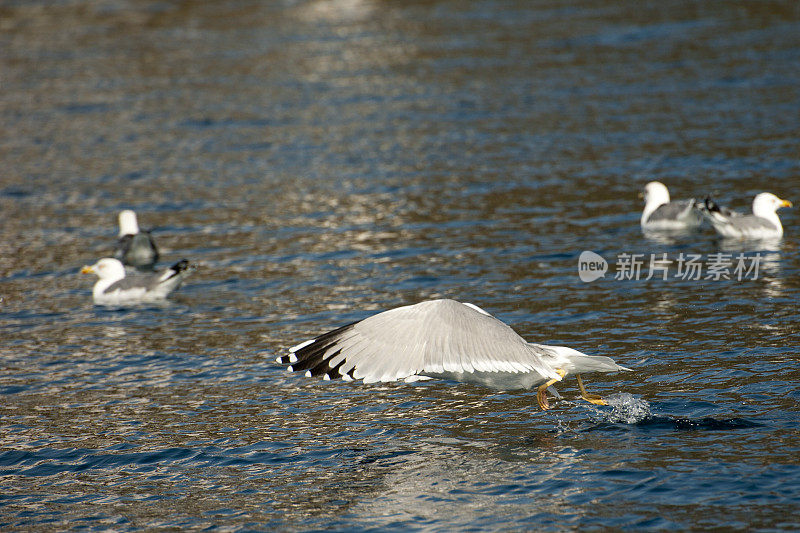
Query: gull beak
pixel 786 203
pixel 87 270
pixel 640 195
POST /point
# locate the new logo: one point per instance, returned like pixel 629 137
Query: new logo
pixel 591 266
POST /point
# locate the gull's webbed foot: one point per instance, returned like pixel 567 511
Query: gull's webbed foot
pixel 591 398
pixel 541 391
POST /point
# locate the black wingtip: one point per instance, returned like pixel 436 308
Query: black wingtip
pixel 711 205
pixel 181 265
pixel 314 357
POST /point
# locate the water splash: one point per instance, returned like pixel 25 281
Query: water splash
pixel 626 409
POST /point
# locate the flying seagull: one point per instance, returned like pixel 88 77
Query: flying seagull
pixel 115 288
pixel 762 224
pixel 661 214
pixel 135 247
pixel 442 339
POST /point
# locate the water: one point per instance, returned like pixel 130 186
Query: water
pixel 322 161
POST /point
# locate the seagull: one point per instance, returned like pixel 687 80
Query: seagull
pixel 661 214
pixel 762 224
pixel 135 247
pixel 442 339
pixel 115 288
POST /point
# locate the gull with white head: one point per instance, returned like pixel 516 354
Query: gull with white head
pixel 442 339
pixel 763 223
pixel 116 288
pixel 662 214
pixel 135 247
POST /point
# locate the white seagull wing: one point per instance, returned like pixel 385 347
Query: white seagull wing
pixel 433 337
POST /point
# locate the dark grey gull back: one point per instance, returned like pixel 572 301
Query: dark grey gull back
pixel 137 250
pixel 672 211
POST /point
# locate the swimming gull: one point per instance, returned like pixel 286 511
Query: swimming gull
pixel 763 223
pixel 115 288
pixel 442 339
pixel 661 214
pixel 135 247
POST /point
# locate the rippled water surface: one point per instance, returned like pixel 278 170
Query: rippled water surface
pixel 324 160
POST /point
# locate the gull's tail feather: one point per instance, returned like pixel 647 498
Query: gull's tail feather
pixel 711 206
pixel 181 266
pixel 173 276
pixel 718 216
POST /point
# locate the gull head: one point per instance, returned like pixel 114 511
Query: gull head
pixel 766 204
pixel 127 223
pixel 106 268
pixel 655 194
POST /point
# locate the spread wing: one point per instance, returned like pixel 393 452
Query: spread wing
pixel 427 338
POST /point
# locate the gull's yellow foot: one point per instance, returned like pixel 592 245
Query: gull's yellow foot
pixel 591 398
pixel 541 391
pixel 541 397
